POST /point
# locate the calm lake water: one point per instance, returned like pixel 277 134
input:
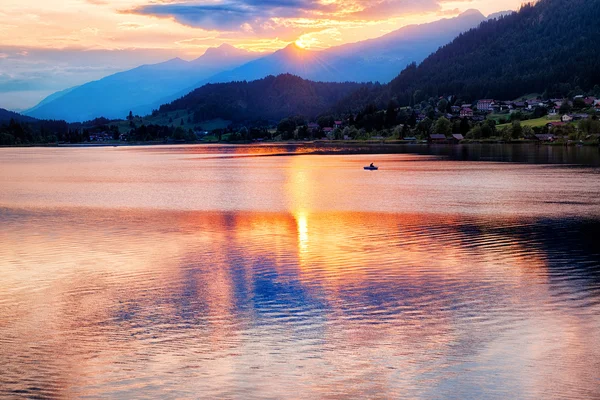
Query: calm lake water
pixel 228 272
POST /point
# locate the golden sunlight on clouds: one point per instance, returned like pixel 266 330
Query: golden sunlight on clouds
pixel 128 24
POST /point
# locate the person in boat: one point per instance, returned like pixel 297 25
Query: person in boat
pixel 371 166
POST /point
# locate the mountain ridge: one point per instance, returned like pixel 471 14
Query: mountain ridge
pixel 145 85
pixel 365 61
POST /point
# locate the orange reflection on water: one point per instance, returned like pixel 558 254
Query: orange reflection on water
pixel 327 304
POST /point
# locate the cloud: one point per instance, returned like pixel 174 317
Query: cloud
pixel 231 15
pixel 261 15
pixel 392 8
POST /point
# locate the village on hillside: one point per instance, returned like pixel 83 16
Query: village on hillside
pixel 447 120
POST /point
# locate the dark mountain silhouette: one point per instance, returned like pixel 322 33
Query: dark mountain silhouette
pixel 550 47
pixel 6 115
pixel 270 98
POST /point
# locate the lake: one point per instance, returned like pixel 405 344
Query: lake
pixel 278 271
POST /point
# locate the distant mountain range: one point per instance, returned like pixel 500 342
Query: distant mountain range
pixel 138 90
pixel 374 60
pixel 549 47
pixel 143 89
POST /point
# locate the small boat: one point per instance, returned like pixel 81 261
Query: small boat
pixel 371 168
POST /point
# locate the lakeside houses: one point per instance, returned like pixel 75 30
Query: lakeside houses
pixel 437 138
pixel 589 101
pixel 338 124
pixel 579 117
pixel 485 105
pixel 566 118
pixel 466 112
pixel 545 137
pixel 101 137
pixel 457 138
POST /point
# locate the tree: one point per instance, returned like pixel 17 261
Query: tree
pixel 390 114
pixel 579 103
pixel 489 128
pixel 443 127
pixel 516 130
pixel 130 116
pixel 419 96
pixel 475 133
pixel 424 126
pixel 565 107
pixel 325 121
pixel 442 105
pixel 465 126
pixel 286 128
pixel 303 132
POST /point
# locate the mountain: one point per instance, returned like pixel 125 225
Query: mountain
pixel 6 116
pixel 371 60
pixel 270 98
pixel 139 89
pixel 500 14
pixel 144 88
pixel 51 98
pixel 549 47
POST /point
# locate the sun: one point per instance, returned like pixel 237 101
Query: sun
pixel 300 43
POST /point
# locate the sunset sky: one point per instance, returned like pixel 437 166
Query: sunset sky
pixel 51 45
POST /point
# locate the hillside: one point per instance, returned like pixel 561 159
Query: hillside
pixel 6 116
pixel 550 47
pixel 271 98
pixel 140 89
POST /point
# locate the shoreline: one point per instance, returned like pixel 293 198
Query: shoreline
pixel 324 143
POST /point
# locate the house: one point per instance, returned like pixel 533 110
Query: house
pixel 313 126
pixel 589 101
pixel 502 106
pixel 485 105
pixel 553 111
pixel 545 137
pixel 532 104
pixel 520 105
pixel 337 124
pixel 577 117
pixel 555 124
pixel 566 118
pixel 327 130
pixel 457 137
pixel 410 138
pixel 437 138
pixel 455 109
pixel 466 112
pixel 598 107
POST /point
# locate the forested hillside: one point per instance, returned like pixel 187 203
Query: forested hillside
pixel 550 47
pixel 271 98
pixel 6 116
